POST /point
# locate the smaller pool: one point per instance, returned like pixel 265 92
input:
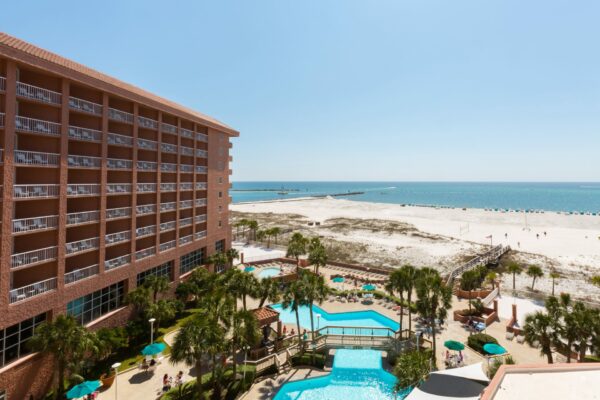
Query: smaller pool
pixel 269 272
pixel 338 279
pixel 369 287
pixel 249 269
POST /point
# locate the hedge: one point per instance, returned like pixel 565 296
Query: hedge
pixel 477 341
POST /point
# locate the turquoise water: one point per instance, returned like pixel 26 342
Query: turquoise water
pixel 269 272
pixel 357 319
pixel 512 195
pixel 356 375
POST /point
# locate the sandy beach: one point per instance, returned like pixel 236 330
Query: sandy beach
pixel 393 235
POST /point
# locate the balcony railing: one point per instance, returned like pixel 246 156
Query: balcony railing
pixel 2 83
pixel 185 222
pixel 186 151
pixel 85 106
pixel 167 245
pixel 147 144
pixel 147 122
pixel 201 153
pixel 31 191
pixel 116 163
pixel 82 245
pixel 187 133
pixel 146 187
pixel 120 140
pixel 83 217
pixel 200 186
pixel 90 135
pixel 141 254
pixel 200 202
pixel 117 262
pixel 168 206
pixel 33 257
pixel 84 189
pixel 201 169
pixel 186 186
pixel 81 273
pixel 145 209
pixel 186 204
pixel 168 128
pixel 146 165
pixel 199 235
pixel 114 238
pixel 38 93
pixel 84 162
pixel 168 187
pixel 168 148
pixel 200 218
pixel 36 158
pixel 118 188
pixel 168 167
pixel 168 226
pixel 34 224
pixel 114 213
pixel 35 289
pixel 145 231
pixel 201 137
pixel 37 125
pixel 1 120
pixel 185 240
pixel 186 168
pixel 121 116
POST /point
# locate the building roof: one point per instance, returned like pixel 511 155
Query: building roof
pixel 25 52
pixel 265 315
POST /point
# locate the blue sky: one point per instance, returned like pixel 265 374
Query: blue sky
pixel 358 90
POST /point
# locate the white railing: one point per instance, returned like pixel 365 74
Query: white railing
pixel 168 148
pixel 147 144
pixel 29 191
pixel 200 202
pixel 83 217
pixel 199 235
pixel 146 165
pixel 168 187
pixel 185 222
pixel 120 140
pixel 168 226
pixel 200 186
pixel 201 153
pixel 2 83
pixel 201 169
pixel 186 186
pixel 117 163
pixel 121 116
pixel 84 161
pixel 117 262
pixel 32 290
pixel 141 254
pixel 83 189
pixel 36 158
pixel 168 206
pixel 90 135
pixel 114 238
pixel 84 105
pixel 37 125
pixel 145 209
pixel 186 151
pixel 82 245
pixel 200 218
pixel 81 273
pixel 33 257
pixel 38 93
pixel 168 128
pixel 186 168
pixel 167 245
pixel 1 120
pixel 145 231
pixel 147 122
pixel 186 204
pixel 201 137
pixel 122 212
pixel 490 297
pixel 168 167
pixel 146 187
pixel 185 240
pixel 115 188
pixel 34 224
pixel 187 133
pixel 483 259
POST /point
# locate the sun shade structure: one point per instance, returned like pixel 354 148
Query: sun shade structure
pixel 265 315
pixel 83 389
pixel 465 383
pixel 493 348
pixel 454 345
pixel 153 349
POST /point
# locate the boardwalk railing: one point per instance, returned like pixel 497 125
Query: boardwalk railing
pixel 492 255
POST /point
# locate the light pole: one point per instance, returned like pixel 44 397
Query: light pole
pixel 318 319
pixel 116 366
pixel 151 320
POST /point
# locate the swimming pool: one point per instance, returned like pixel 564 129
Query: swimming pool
pixel 269 272
pixel 356 319
pixel 356 375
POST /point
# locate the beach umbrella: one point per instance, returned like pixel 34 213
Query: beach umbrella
pixel 454 345
pixel 83 389
pixel 153 349
pixel 493 348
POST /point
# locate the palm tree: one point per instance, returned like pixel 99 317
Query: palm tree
pixel 595 280
pixel 139 298
pixel 157 284
pixel 240 224
pixel 231 255
pixel 276 231
pixel 267 289
pixel 217 260
pixel 534 272
pixel 397 284
pixel 260 235
pixel 411 369
pixel 469 281
pixel 315 291
pixel 296 248
pixel 539 328
pixel 554 275
pixel 294 298
pixel 514 269
pixel 317 255
pixel 252 228
pixel 162 310
pixel 243 331
pixel 241 285
pixel 491 279
pixel 411 274
pixel 587 321
pixel 66 341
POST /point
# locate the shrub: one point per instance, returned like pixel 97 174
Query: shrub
pixel 307 359
pixel 477 341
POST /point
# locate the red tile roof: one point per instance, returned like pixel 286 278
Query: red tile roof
pixel 265 315
pixel 24 52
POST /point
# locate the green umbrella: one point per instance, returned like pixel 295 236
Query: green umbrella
pixel 493 348
pixel 153 349
pixel 454 345
pixel 83 389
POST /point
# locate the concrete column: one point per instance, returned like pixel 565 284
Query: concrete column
pixel 133 270
pixel 103 182
pixel 63 181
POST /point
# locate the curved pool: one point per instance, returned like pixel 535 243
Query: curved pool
pixel 269 272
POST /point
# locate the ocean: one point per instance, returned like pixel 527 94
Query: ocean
pixel 571 197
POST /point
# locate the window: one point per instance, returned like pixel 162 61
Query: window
pixel 220 245
pixel 220 209
pixel 96 304
pixel 220 181
pixel 189 261
pixel 161 270
pixel 13 340
pixel 220 165
pixel 220 195
pixel 3 395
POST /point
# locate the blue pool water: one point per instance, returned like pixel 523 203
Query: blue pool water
pixel 356 375
pixel 356 319
pixel 269 272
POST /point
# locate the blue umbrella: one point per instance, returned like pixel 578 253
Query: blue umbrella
pixel 83 389
pixel 153 349
pixel 493 348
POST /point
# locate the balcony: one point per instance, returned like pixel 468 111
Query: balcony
pixel 120 116
pixel 2 120
pixel 146 187
pixel 37 126
pixel 200 202
pixel 186 168
pixel 145 209
pixel 85 189
pixel 168 226
pixel 199 235
pixel 2 83
pixel 82 245
pixel 88 135
pixel 116 163
pixel 201 137
pixel 84 162
pixel 84 217
pixel 85 106
pixel 201 153
pixel 120 140
pixel 168 128
pixel 200 186
pixel 146 165
pixel 117 262
pixel 141 254
pixel 33 257
pixel 186 151
pixel 118 188
pixel 36 158
pixel 35 289
pixel 35 191
pixel 200 218
pixel 81 273
pixel 186 186
pixel 146 144
pixel 186 204
pixel 119 237
pixel 167 245
pixel 168 206
pixel 168 148
pixel 201 169
pixel 114 213
pixel 185 240
pixel 168 167
pixel 38 93
pixel 168 187
pixel 145 231
pixel 185 222
pixel 148 123
pixel 187 133
pixel 34 224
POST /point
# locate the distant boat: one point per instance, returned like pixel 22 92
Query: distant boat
pixel 282 193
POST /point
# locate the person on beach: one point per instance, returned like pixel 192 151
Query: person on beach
pixel 537 235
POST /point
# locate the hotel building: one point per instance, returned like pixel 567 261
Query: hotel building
pixel 103 184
